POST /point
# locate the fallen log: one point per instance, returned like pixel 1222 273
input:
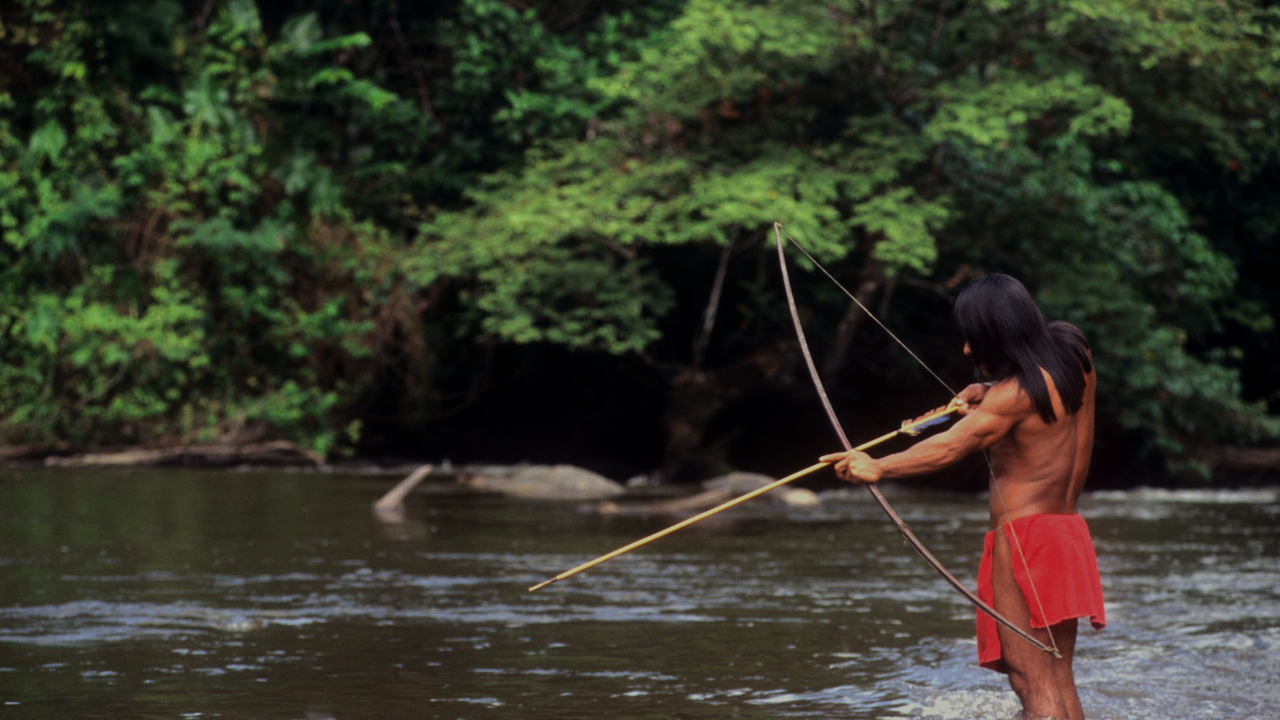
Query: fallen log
pixel 1243 458
pixel 276 453
pixel 390 507
pixel 26 453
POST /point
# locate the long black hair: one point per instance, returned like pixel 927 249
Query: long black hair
pixel 1008 337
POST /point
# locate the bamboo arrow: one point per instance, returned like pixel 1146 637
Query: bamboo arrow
pixel 907 429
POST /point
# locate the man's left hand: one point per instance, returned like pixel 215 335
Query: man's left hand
pixel 854 466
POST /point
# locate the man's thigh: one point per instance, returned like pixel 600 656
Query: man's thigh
pixel 1024 662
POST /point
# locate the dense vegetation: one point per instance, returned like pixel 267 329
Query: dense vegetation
pixel 225 220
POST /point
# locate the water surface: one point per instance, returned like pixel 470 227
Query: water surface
pixel 166 594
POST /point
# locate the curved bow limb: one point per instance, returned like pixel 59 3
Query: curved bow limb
pixel 902 527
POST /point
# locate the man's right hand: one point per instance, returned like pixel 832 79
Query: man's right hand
pixel 969 397
pixel 963 403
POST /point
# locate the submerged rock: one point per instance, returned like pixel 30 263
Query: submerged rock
pixel 741 483
pixel 715 491
pixel 687 505
pixel 547 482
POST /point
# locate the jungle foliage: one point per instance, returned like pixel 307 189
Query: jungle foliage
pixel 225 219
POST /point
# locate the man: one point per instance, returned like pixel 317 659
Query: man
pixel 1035 414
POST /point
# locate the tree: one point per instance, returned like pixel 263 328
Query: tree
pixel 175 267
pixel 205 213
pixel 908 144
pixel 234 219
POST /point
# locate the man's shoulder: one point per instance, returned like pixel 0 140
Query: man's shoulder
pixel 1006 397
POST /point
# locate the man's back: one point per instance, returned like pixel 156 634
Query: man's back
pixel 1040 466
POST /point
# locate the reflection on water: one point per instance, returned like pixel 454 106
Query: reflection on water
pixel 181 594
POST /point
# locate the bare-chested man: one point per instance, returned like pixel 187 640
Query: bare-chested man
pixel 1036 417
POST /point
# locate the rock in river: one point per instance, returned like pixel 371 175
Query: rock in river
pixel 741 483
pixel 547 482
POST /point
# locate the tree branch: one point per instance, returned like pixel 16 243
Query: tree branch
pixel 713 303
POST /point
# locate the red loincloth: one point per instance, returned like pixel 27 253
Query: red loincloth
pixel 1059 553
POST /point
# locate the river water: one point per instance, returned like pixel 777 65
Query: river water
pixel 177 594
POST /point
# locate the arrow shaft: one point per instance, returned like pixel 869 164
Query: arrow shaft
pixel 726 505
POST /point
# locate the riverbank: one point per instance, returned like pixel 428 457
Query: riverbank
pixel 1233 467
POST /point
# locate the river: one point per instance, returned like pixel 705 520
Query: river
pixel 275 595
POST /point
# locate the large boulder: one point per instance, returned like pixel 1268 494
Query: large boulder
pixel 547 482
pixel 741 483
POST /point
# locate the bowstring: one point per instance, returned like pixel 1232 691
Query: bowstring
pixel 995 483
pixel 869 313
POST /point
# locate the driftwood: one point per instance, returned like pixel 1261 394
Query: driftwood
pixel 390 507
pixel 24 453
pixel 394 499
pixel 1243 458
pixel 279 452
pixel 1231 464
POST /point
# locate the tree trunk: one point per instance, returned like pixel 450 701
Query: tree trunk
pixel 837 357
pixel 713 305
pixel 695 396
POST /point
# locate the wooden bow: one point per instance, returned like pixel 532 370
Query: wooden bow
pixel 907 535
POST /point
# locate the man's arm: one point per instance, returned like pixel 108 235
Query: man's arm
pixel 985 425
